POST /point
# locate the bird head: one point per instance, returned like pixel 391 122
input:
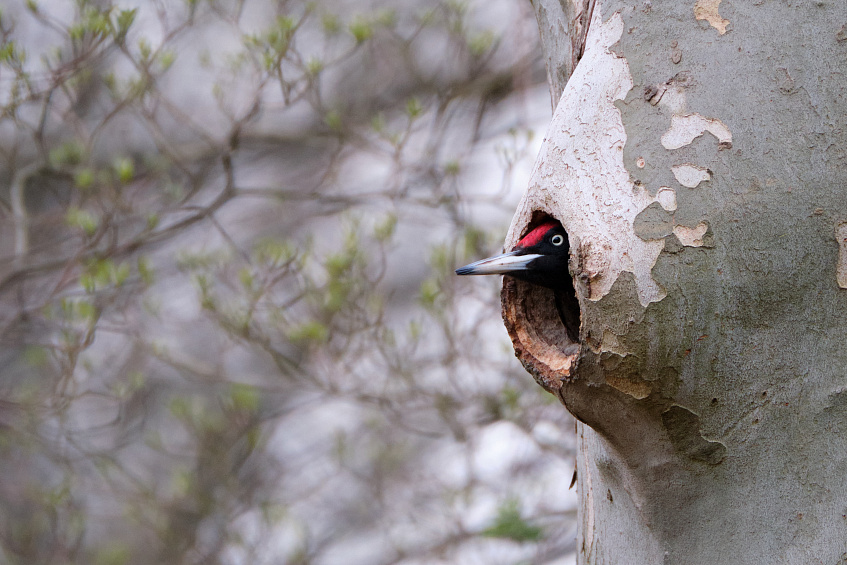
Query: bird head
pixel 540 257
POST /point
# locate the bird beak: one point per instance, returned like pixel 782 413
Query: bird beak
pixel 499 265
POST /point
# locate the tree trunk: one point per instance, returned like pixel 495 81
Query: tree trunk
pixel 698 160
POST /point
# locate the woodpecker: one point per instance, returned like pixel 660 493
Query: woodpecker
pixel 540 258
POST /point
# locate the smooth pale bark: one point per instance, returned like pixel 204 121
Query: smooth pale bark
pixel 698 160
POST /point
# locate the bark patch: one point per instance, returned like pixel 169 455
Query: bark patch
pixel 689 175
pixel 708 10
pixel 693 237
pixel 667 198
pixel 683 427
pixel 685 129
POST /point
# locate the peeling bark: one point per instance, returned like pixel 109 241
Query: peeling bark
pixel 706 206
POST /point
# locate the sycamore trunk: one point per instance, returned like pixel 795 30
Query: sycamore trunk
pixel 698 160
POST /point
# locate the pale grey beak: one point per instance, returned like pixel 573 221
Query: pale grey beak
pixel 499 265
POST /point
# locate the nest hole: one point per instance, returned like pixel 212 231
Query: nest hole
pixel 543 322
pixel 564 293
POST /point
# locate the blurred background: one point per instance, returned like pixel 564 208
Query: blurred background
pixel 230 331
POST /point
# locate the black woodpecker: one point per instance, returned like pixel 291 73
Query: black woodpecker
pixel 540 258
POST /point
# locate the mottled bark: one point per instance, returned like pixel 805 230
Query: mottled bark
pixel 697 160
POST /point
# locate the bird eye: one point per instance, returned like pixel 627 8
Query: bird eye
pixel 557 240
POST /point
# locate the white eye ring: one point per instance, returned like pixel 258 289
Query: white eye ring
pixel 557 240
